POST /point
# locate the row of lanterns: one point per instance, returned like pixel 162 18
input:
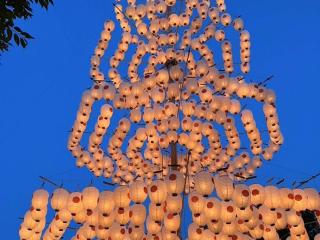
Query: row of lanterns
pixel 218 207
pixel 160 136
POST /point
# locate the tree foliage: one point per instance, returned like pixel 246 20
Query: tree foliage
pixel 10 12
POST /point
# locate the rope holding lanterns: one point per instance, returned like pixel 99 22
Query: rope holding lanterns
pixel 116 215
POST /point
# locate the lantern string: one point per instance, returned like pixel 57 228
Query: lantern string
pixel 184 193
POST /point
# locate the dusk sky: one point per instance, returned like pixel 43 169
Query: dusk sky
pixel 42 87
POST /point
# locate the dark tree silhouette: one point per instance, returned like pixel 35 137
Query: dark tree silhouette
pixel 10 11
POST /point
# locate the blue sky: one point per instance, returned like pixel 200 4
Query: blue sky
pixel 42 85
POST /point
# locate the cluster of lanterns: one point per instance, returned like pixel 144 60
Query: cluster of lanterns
pixel 180 134
pixel 177 99
pixel 219 209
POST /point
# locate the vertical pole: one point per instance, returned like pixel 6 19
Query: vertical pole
pixel 174 156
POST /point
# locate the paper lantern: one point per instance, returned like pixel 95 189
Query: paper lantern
pixel 59 199
pixel 174 203
pixel 29 222
pixel 137 214
pixel 194 232
pixel 281 222
pixel 212 208
pixel 313 199
pixel 244 214
pixel 257 232
pixel 40 199
pixel 172 222
pixel 287 198
pixel 241 196
pixel 62 219
pixel 175 182
pixel 196 202
pixel 74 204
pixel 300 200
pixel 270 233
pixel 24 232
pixel 106 220
pixel 200 219
pixel 229 228
pixel 102 233
pixel 257 196
pixel 204 183
pixel 138 191
pixel 227 212
pixel 157 191
pixel 293 217
pixel 38 214
pixel 136 232
pixel 117 231
pixel 156 211
pixel 268 216
pixel 224 187
pixel 122 215
pixel 152 226
pixel 272 197
pixel 90 196
pixel 106 202
pixel 215 226
pixel 80 217
pixel 122 197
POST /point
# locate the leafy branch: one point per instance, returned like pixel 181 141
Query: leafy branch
pixel 12 10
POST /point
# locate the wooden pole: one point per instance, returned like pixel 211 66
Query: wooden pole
pixel 174 156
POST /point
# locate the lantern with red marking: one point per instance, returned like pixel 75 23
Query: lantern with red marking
pixel 74 203
pixel 228 212
pixel 281 222
pixel 175 182
pixel 300 200
pixel 257 194
pixel 117 232
pixel 287 198
pixel 270 233
pixel 157 191
pixel 138 191
pixel 241 196
pixel 212 208
pixel 267 215
pixel 194 232
pixel 122 215
pixel 196 202
pixel 172 222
